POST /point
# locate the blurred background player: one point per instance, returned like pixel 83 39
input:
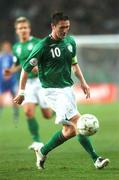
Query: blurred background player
pixel 34 93
pixel 8 83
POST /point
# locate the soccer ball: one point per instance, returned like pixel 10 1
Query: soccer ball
pixel 87 125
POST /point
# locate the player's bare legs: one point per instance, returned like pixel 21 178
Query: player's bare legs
pixel 47 113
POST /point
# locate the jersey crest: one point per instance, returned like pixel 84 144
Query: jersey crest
pixel 30 46
pixel 34 61
pixel 18 50
pixel 70 48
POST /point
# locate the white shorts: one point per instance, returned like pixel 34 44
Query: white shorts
pixel 34 93
pixel 62 101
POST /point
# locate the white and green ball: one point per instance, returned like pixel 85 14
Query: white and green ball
pixel 87 125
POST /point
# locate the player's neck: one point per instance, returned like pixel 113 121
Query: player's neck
pixel 54 36
pixel 24 39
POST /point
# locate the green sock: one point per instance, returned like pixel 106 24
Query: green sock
pixel 55 141
pixel 85 142
pixel 34 129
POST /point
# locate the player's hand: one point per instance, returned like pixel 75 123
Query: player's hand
pixel 86 89
pixel 35 70
pixel 7 72
pixel 18 99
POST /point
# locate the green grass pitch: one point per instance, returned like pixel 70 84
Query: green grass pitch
pixel 67 162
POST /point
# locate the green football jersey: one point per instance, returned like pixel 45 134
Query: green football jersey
pixel 54 59
pixel 22 50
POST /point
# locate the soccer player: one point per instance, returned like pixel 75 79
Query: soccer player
pixel 55 56
pixel 7 83
pixel 34 93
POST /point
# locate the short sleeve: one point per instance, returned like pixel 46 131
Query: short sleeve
pixel 74 60
pixel 34 57
pixel 73 43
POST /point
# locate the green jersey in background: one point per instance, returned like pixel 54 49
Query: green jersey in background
pixel 22 50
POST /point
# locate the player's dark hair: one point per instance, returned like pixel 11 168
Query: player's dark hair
pixel 21 19
pixel 58 16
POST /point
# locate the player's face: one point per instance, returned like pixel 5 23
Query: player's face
pixel 61 29
pixel 6 47
pixel 23 31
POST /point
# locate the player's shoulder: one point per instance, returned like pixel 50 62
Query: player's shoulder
pixel 70 38
pixel 8 57
pixel 35 39
pixel 15 45
pixel 43 41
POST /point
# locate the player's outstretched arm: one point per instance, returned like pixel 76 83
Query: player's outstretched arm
pixel 20 97
pixel 78 73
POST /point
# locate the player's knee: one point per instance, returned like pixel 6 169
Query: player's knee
pixel 47 113
pixel 29 113
pixel 69 131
